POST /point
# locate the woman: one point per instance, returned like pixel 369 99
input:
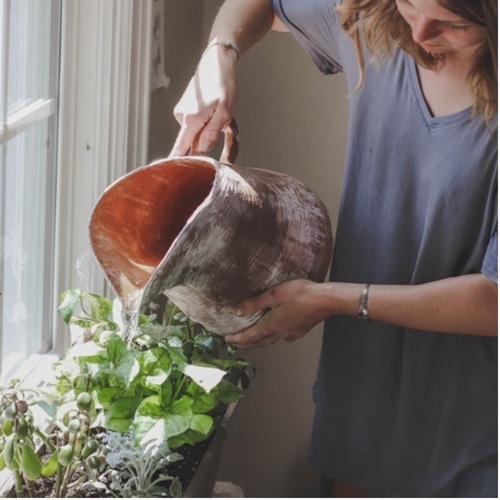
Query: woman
pixel 407 384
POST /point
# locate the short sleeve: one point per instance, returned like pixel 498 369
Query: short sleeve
pixel 490 261
pixel 314 25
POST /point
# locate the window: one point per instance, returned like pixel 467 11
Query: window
pixel 29 60
pixel 74 111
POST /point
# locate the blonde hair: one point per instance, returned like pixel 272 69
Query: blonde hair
pixel 379 26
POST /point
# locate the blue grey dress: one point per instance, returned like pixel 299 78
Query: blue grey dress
pixel 401 412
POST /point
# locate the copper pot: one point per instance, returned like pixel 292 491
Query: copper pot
pixel 208 234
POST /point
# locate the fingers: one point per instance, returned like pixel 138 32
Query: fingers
pixel 185 138
pixel 198 135
pixel 240 338
pixel 250 342
pixel 258 335
pixel 210 132
pixel 262 302
pixel 274 297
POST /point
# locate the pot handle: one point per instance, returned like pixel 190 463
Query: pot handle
pixel 231 144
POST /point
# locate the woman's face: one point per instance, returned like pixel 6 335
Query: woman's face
pixel 438 30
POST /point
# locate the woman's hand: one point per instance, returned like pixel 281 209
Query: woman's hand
pixel 465 304
pixel 294 308
pixel 208 102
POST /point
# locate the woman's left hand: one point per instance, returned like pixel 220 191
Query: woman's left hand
pixel 293 309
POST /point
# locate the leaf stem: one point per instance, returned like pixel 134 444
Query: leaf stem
pixel 50 445
pixel 29 488
pixel 66 479
pixel 179 387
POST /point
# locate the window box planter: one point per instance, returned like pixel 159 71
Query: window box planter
pixel 198 469
pixel 132 413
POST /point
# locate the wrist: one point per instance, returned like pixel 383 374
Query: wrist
pixel 341 298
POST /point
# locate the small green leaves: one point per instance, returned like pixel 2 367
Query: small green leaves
pixel 120 413
pixel 94 307
pixel 50 467
pixel 65 455
pixel 9 450
pixel 30 462
pixel 122 359
pixel 69 300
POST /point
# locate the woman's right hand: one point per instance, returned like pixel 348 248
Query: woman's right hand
pixel 208 102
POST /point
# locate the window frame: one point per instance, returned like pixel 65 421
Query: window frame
pixel 103 131
pixel 102 114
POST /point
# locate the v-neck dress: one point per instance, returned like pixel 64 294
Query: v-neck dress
pixel 401 412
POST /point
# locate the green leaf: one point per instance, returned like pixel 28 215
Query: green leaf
pixel 206 343
pixel 107 395
pixel 177 356
pixel 156 361
pixel 189 437
pixel 203 402
pixel 176 337
pixel 69 300
pixel 154 330
pixel 125 364
pixel 116 349
pixel 180 317
pixel 202 424
pixel 182 405
pixel 88 352
pixel 151 407
pixel 166 393
pixel 50 467
pixel 175 421
pixel 101 308
pixel 154 382
pixel 30 462
pixel 119 415
pixel 228 392
pixel 176 488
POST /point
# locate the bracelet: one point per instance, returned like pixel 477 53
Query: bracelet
pixel 225 45
pixel 363 312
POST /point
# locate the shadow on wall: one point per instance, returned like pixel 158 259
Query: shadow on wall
pixel 292 119
pixel 184 38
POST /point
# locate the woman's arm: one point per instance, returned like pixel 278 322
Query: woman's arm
pixel 208 102
pixel 464 304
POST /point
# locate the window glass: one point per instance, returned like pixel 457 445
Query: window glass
pixel 29 39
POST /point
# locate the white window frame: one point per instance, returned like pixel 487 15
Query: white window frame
pixel 103 119
pixel 103 125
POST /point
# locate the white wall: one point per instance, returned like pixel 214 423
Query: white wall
pixel 291 119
